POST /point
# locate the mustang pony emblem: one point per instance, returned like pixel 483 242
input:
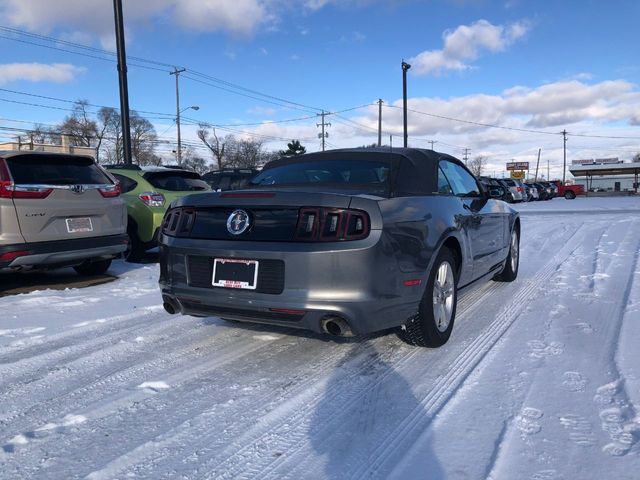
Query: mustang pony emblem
pixel 238 222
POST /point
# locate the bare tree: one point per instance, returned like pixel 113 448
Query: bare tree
pixel 143 141
pixel 246 153
pixel 194 162
pixel 108 124
pixel 80 129
pixel 215 144
pixel 477 165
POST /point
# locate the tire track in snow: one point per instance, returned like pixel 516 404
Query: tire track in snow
pixel 118 374
pixel 243 467
pixel 55 349
pixel 459 370
pixel 228 346
pixel 170 440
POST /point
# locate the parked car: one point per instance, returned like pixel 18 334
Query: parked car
pixel 59 211
pixel 568 191
pixel 549 190
pixel 532 192
pixel 492 184
pixel 229 178
pixel 342 242
pixel 514 188
pixel 542 191
pixel 148 191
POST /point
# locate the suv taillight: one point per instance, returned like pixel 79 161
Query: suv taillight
pixel 9 190
pixel 152 199
pixel 111 191
pixel 178 222
pixel 319 224
pixel 520 189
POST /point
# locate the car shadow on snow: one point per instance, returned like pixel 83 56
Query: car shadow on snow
pixel 360 425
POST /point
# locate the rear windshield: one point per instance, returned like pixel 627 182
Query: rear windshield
pixel 55 170
pixel 342 173
pixel 176 181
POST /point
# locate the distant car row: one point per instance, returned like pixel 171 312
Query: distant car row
pixel 515 191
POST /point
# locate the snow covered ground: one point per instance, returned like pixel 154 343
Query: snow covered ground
pixel 540 380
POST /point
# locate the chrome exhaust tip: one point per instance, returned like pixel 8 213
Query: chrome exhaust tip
pixel 336 326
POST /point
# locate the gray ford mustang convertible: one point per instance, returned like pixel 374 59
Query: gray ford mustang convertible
pixel 343 242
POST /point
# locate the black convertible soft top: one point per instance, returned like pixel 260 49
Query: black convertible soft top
pixel 414 171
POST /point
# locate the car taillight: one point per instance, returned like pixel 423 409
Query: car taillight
pixel 9 190
pixel 331 224
pixel 519 189
pixel 111 191
pixel 178 222
pixel 152 199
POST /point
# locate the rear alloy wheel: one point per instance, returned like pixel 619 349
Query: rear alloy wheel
pixel 91 268
pixel 432 326
pixel 569 195
pixel 135 249
pixel 510 271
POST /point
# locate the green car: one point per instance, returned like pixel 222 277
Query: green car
pixel 148 192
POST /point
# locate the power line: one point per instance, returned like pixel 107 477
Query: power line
pixel 526 130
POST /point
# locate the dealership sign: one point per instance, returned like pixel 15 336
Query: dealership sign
pixel 517 174
pixel 517 165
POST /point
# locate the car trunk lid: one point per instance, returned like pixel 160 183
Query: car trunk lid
pixel 273 215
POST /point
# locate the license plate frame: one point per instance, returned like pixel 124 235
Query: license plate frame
pixel 245 272
pixel 79 225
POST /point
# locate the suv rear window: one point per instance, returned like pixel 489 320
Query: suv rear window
pixel 174 181
pixel 55 170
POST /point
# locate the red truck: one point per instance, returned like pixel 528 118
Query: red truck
pixel 568 191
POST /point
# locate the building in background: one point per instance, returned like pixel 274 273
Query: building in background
pixel 606 175
pixel 64 147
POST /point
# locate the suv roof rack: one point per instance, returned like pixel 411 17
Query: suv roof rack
pixel 121 166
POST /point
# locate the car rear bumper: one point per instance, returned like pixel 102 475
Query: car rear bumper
pixel 358 283
pixel 62 252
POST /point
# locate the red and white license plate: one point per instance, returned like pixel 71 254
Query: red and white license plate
pixel 235 273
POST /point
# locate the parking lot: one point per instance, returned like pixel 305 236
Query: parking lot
pixel 539 380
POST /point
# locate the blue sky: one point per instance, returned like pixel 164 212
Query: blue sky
pixel 528 65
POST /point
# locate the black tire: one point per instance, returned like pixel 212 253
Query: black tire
pixel 422 329
pixel 92 268
pixel 569 195
pixel 135 249
pixel 510 271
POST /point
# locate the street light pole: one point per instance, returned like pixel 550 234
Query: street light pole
pixel 405 67
pixel 177 73
pixel 122 77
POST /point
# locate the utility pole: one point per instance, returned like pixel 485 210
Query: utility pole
pixel 548 176
pixel 177 73
pixel 379 122
pixel 323 135
pixel 537 165
pixel 431 142
pixel 405 67
pixel 466 155
pixel 122 75
pixel 564 164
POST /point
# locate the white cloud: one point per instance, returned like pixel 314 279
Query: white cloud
pixel 39 72
pixel 76 19
pixel 465 44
